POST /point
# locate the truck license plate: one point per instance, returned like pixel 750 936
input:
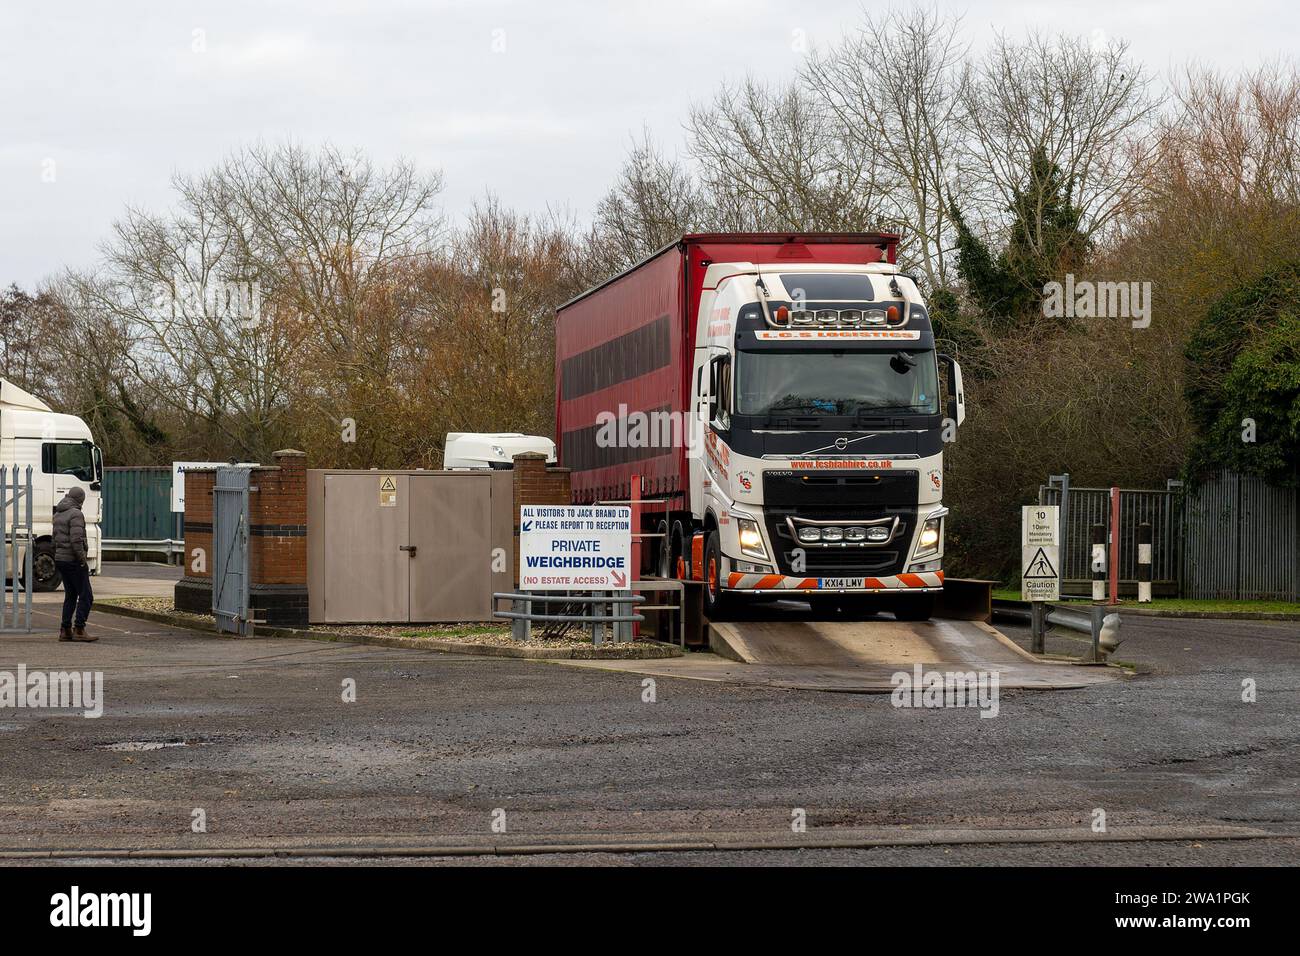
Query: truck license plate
pixel 838 583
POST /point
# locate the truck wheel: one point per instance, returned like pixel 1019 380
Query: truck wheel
pixel 715 599
pixel 915 607
pixel 45 573
pixel 679 541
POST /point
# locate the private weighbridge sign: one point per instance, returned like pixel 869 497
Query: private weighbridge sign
pixel 575 547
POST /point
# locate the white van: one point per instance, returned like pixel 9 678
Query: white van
pixel 62 453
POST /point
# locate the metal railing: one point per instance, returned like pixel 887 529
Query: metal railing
pixel 170 547
pixel 523 616
pixel 1100 622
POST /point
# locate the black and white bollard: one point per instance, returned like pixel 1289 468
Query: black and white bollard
pixel 1099 562
pixel 1144 563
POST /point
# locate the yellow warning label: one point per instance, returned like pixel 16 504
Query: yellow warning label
pixel 388 492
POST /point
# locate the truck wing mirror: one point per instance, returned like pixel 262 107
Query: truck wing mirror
pixel 956 394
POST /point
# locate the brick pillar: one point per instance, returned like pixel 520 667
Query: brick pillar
pixel 537 484
pixel 277 541
pixel 277 544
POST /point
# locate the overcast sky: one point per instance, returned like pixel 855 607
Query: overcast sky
pixel 537 102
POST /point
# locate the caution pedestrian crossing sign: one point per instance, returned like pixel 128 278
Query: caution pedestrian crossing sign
pixel 1040 554
pixel 1040 566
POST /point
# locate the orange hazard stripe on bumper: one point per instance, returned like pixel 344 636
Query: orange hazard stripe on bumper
pixel 769 582
pixel 912 580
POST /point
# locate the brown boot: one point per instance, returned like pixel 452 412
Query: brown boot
pixel 79 634
pixel 65 633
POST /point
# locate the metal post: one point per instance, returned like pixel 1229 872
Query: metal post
pixel 4 546
pixel 521 627
pixel 1064 481
pixel 633 631
pixel 1144 563
pixel 1114 545
pixel 13 529
pixel 1098 616
pixel 1099 562
pixel 29 563
pixel 1038 614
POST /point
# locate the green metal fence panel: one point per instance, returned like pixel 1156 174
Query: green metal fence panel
pixel 138 504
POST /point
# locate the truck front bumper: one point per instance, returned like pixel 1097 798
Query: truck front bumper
pixel 894 583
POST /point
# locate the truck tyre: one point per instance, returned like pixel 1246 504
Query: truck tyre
pixel 914 607
pixel 715 599
pixel 679 541
pixel 45 573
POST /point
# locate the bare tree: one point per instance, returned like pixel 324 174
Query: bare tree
pixel 654 201
pixel 259 281
pixel 775 158
pixel 894 89
pixel 1085 108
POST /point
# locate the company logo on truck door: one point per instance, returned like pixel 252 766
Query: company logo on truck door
pixel 719 454
pixel 720 323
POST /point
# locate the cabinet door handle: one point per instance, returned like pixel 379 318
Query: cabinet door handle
pixel 407 547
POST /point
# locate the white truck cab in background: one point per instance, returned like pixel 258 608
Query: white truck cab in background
pixel 62 453
pixel 474 450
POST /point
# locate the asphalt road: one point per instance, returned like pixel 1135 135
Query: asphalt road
pixel 435 747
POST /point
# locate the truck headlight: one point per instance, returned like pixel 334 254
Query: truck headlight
pixel 931 535
pixel 751 539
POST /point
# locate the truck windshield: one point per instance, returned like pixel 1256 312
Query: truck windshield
pixel 836 383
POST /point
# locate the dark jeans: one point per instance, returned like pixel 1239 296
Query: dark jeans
pixel 76 591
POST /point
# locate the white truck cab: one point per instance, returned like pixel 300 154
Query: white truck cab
pixel 495 450
pixel 62 453
pixel 817 390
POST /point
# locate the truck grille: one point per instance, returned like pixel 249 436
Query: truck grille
pixel 841 488
pixel 841 495
pixel 849 561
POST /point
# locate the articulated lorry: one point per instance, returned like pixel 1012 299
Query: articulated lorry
pixel 62 453
pixel 777 398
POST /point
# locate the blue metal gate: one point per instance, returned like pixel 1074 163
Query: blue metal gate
pixel 230 550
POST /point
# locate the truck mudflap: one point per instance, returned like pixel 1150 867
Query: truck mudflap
pixel 928 580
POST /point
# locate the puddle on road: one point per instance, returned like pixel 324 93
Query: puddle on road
pixel 137 745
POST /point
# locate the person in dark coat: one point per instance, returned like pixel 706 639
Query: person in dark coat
pixel 70 557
